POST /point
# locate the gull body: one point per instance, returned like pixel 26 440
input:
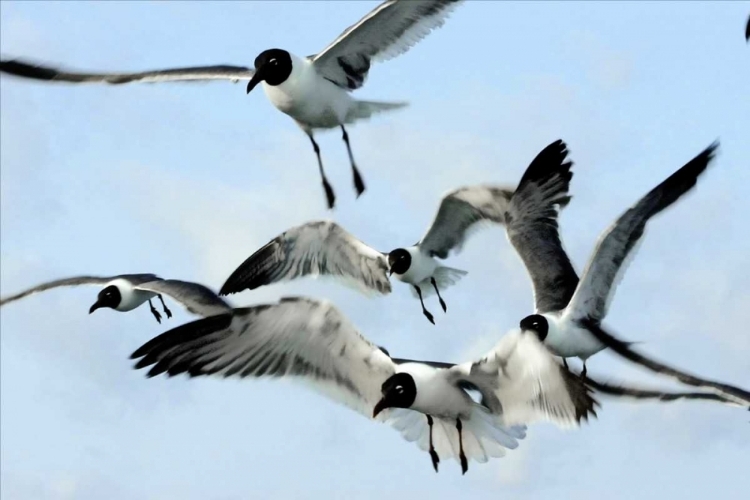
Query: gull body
pixel 519 380
pixel 312 90
pixel 126 292
pixel 325 248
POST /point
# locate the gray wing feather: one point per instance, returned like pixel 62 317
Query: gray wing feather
pixel 628 391
pixel 195 297
pixel 76 281
pixel 532 227
pixel 521 382
pixel 736 394
pixel 389 30
pixel 604 269
pixel 302 338
pixel 315 248
pixel 23 69
pixel 459 212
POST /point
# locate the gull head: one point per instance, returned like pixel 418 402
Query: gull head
pixel 399 261
pixel 109 297
pixel 399 391
pixel 272 66
pixel 537 324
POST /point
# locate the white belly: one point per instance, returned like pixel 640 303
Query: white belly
pixel 130 299
pixel 567 340
pixel 422 268
pixel 435 396
pixel 311 100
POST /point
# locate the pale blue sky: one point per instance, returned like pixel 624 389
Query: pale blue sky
pixel 186 180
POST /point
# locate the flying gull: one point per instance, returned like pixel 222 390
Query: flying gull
pixel 325 248
pixel 314 90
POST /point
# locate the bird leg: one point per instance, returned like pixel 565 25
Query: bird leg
pixel 433 453
pixel 424 309
pixel 163 305
pixel 154 311
pixel 442 302
pixel 359 185
pixel 329 191
pixel 461 455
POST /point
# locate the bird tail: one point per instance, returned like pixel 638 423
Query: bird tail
pixel 444 277
pixel 484 436
pixel 363 110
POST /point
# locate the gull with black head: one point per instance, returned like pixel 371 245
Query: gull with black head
pixel 519 381
pixel 325 248
pixel 126 292
pixel 569 311
pixel 312 90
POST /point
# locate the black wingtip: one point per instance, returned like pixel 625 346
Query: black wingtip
pixel 17 68
pixel 254 272
pixel 747 30
pixel 549 161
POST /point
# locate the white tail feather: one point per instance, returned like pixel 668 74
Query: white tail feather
pixel 483 435
pixel 363 110
pixel 444 277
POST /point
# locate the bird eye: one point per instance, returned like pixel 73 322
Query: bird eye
pixel 399 389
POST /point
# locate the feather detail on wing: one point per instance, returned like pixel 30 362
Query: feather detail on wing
pixel 16 67
pixel 312 249
pixel 605 267
pixel 460 211
pixel 532 227
pixel 300 338
pixel 521 382
pixel 392 28
pixel 195 297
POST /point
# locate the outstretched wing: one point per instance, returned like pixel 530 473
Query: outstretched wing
pixel 315 248
pixel 598 281
pixel 195 297
pixel 389 30
pixel 629 391
pixel 461 210
pixel 521 382
pixel 76 281
pixel 740 396
pixel 302 338
pixel 533 230
pixel 33 71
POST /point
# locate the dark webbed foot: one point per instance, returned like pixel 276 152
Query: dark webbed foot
pixel 164 306
pixel 433 453
pixel 427 313
pixel 154 312
pixel 330 197
pixel 442 302
pixel 359 184
pixel 461 456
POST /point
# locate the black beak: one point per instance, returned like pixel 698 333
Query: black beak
pixel 255 80
pixel 96 306
pixel 382 405
pixel 390 272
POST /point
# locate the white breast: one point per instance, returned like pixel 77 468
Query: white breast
pixel 130 298
pixel 566 339
pixel 310 99
pixel 422 267
pixel 435 395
